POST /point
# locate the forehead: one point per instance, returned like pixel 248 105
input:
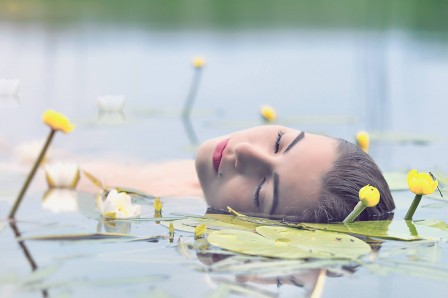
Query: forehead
pixel 301 170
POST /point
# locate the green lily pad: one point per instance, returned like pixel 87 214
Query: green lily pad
pixel 397 229
pixel 290 243
pixel 213 222
pixel 441 225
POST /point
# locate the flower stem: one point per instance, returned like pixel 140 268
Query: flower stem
pixel 31 174
pixel 355 213
pixel 413 207
pixel 192 94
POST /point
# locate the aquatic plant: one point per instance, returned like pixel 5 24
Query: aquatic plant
pixel 57 122
pixel 117 205
pixel 420 184
pixel 369 196
pixel 198 64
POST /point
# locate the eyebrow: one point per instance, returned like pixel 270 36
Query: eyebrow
pixel 275 196
pixel 300 136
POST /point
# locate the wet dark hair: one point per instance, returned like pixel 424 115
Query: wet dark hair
pixel 352 170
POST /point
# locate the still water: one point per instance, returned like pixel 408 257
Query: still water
pixel 333 81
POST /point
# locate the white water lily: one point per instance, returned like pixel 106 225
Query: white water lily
pixel 60 200
pixel 62 175
pixel 111 103
pixel 9 87
pixel 117 205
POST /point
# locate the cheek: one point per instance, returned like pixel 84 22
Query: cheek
pixel 236 194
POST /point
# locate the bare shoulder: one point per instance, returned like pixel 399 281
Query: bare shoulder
pixel 169 178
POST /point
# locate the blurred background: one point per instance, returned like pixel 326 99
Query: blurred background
pixel 326 67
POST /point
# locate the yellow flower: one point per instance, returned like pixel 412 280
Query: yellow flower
pixel 421 183
pixel 198 62
pixel 200 231
pixel 158 205
pixel 268 113
pixel 363 140
pixel 369 196
pixel 57 121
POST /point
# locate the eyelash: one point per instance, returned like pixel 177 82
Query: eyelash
pixel 278 140
pixel 257 192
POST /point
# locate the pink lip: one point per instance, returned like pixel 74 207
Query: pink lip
pixel 217 154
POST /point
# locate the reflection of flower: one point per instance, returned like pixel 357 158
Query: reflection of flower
pixel 369 196
pixel 268 113
pixel 198 62
pixel 363 140
pixel 421 183
pixel 62 175
pixel 112 226
pixel 117 205
pixel 9 87
pixel 111 103
pixel 57 121
pixel 60 200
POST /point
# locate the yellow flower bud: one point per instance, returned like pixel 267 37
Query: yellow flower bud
pixel 198 62
pixel 200 231
pixel 421 183
pixel 57 121
pixel 268 113
pixel 363 140
pixel 158 204
pixel 369 196
pixel 171 229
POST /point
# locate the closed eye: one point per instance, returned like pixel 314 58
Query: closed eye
pixel 278 140
pixel 257 193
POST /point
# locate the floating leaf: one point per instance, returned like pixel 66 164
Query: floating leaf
pixel 179 225
pixel 214 224
pixel 290 243
pixel 441 225
pixel 95 236
pixel 133 191
pixel 40 274
pixel 387 229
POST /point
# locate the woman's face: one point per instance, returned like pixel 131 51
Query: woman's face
pixel 265 171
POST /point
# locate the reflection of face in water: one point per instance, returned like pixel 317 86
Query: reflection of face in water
pixel 266 170
pixel 311 282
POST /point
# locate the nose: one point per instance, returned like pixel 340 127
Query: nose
pixel 252 160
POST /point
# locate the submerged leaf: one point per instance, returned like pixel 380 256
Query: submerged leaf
pixel 290 243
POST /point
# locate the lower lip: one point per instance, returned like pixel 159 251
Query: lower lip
pixel 217 154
